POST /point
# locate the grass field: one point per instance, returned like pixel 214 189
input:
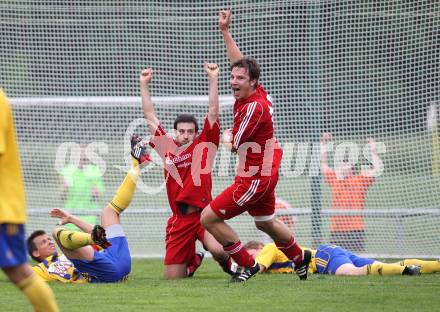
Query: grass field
pixel 209 290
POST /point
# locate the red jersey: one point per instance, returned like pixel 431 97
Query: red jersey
pixel 253 123
pixel 188 168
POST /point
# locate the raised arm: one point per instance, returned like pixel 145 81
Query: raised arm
pixel 224 21
pixel 212 71
pixel 147 104
pixel 66 217
pixel 326 138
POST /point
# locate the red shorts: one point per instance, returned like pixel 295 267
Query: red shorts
pixel 256 196
pixel 181 234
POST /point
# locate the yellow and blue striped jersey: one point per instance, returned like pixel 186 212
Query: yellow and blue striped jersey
pixel 58 268
pixel 12 197
pixel 275 261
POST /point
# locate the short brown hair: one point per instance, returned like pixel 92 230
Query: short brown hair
pixel 251 65
pixel 253 245
pixel 31 245
pixel 186 118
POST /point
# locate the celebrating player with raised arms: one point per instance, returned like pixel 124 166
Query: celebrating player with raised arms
pixel 253 190
pixel 188 160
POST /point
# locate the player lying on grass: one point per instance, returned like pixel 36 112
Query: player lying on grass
pixel 187 161
pixel 80 260
pixel 334 260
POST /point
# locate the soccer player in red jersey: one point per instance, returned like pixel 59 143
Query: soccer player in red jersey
pixel 188 161
pixel 253 190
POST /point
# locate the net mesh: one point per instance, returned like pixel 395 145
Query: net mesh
pixel 355 69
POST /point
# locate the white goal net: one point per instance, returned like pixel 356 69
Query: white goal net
pixel 357 69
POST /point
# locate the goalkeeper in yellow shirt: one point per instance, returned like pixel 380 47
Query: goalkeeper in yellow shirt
pixel 81 260
pixel 13 260
pixel 335 260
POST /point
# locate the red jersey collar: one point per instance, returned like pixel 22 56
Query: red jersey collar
pixel 250 98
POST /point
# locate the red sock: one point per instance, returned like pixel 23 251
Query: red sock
pixel 194 264
pixel 226 265
pixel 240 255
pixel 291 250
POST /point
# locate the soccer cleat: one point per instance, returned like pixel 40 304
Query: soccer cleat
pixel 246 274
pixel 139 150
pixel 303 268
pixel 411 270
pixel 99 237
pixel 193 268
pixel 234 269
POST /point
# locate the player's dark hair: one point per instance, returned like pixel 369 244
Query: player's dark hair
pixel 186 118
pixel 251 65
pixel 31 245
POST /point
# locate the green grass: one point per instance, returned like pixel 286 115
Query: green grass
pixel 209 290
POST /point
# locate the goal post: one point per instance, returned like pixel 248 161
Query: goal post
pixel 44 125
pixel 356 69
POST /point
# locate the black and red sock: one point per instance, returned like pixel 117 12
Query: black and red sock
pixel 291 250
pixel 239 254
